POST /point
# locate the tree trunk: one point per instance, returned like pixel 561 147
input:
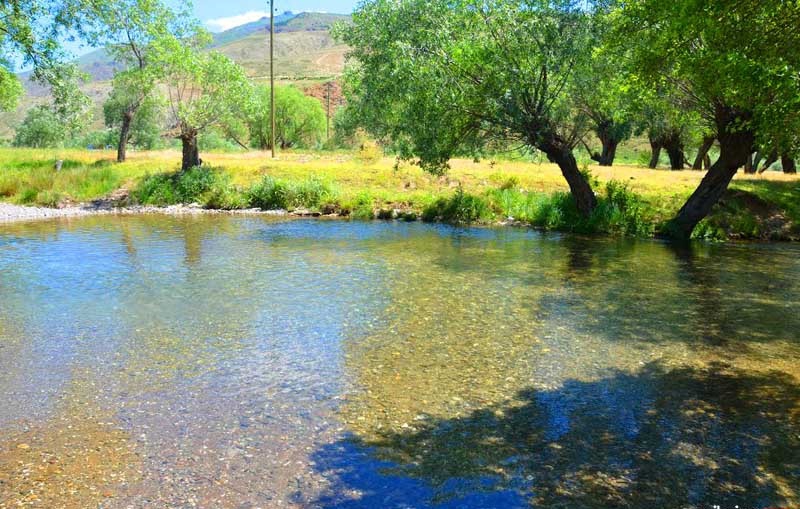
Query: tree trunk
pixel 674 146
pixel 191 153
pixel 735 149
pixel 124 136
pixel 702 153
pixel 749 166
pixel 609 151
pixel 582 193
pixel 771 159
pixel 655 153
pixel 788 164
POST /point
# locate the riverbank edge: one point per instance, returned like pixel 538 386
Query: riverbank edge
pixel 14 214
pixel 10 213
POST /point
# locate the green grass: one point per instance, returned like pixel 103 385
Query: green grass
pixel 632 200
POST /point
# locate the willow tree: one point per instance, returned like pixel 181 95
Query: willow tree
pixel 126 29
pixel 30 33
pixel 299 119
pixel 602 93
pixel 203 88
pixel 136 115
pixel 440 78
pixel 736 63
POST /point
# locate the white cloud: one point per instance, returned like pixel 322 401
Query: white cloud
pixel 222 24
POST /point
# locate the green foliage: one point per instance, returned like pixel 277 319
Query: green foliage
pixel 10 89
pixel 214 138
pixel 619 211
pixel 133 96
pixel 40 129
pixel 369 152
pixel 70 105
pixel 65 117
pixel 274 194
pixel 268 194
pixel 31 31
pixel 188 186
pixel 224 196
pixel 311 193
pixel 439 78
pixel 361 207
pixel 38 183
pixel 95 139
pixel 461 208
pixel 299 119
pixel 735 63
pixel 205 89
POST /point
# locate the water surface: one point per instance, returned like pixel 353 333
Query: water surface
pixel 251 362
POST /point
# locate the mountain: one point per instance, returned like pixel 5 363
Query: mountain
pixel 242 31
pixel 303 49
pixel 305 52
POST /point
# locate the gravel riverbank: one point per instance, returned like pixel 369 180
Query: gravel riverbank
pixel 13 213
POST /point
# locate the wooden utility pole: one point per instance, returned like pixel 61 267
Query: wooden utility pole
pixel 272 74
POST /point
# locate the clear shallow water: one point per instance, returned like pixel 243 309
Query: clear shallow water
pixel 249 362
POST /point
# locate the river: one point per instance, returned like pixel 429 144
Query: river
pixel 253 362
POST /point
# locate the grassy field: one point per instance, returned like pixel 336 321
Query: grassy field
pixel 636 201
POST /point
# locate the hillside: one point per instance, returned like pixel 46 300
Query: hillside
pixel 304 51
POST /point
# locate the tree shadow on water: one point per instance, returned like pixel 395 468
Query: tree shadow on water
pixel 662 437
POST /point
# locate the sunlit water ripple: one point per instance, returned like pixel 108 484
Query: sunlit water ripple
pixel 240 362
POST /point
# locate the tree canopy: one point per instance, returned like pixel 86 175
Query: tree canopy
pixel 440 78
pixel 203 88
pixel 736 63
pixel 299 119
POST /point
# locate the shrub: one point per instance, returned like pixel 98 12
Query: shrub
pixel 273 194
pixel 268 194
pixel 224 196
pixel 621 211
pixel 182 187
pixel 311 193
pixel 49 198
pixel 460 208
pixel 28 195
pixel 360 207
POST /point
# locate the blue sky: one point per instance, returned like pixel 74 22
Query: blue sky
pixel 218 16
pixel 221 15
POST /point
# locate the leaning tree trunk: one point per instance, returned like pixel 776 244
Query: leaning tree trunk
pixel 788 164
pixel 771 159
pixel 191 153
pixel 735 150
pixel 561 154
pixel 655 153
pixel 702 153
pixel 124 136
